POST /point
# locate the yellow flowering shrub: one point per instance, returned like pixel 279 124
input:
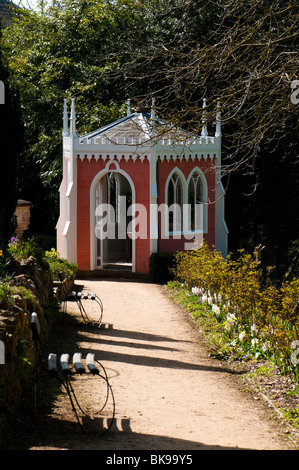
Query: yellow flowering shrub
pixel 202 267
pixel 258 319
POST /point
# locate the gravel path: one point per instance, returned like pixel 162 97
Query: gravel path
pixel 169 395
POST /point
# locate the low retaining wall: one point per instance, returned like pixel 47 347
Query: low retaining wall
pixel 61 289
pixel 15 334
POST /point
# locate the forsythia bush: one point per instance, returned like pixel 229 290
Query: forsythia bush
pixel 257 319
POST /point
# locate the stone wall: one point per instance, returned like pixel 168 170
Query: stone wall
pixel 15 333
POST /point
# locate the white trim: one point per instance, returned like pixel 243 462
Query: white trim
pixel 166 213
pixel 185 185
pixel 92 194
pixel 66 228
pixel 69 189
pixel 204 197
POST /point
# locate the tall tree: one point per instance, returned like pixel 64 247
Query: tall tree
pixel 11 139
pixel 62 53
pixel 246 55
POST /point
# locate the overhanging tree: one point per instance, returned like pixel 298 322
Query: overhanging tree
pixel 244 54
pixel 56 55
pixel 179 52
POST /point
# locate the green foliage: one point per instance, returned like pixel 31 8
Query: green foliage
pixel 23 360
pixel 48 260
pixel 58 265
pixel 45 242
pixel 31 301
pixel 11 138
pixel 53 56
pixel 256 319
pixel 6 295
pixel 25 248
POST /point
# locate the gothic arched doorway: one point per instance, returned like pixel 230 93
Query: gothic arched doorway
pixel 114 245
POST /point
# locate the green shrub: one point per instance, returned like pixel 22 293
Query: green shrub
pixel 57 264
pixel 29 297
pixel 49 260
pixel 24 249
pixel 45 242
pixel 257 319
pixel 6 295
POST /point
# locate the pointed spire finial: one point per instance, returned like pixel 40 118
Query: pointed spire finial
pixel 218 120
pixel 153 110
pixel 65 131
pixel 73 118
pixel 204 131
pixel 128 107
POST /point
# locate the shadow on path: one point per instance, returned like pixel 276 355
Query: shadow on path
pixel 106 337
pixel 63 435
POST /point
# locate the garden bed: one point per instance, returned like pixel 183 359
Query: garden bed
pixel 245 322
pixel 261 377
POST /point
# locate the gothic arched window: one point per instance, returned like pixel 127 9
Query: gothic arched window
pixel 175 203
pixel 195 201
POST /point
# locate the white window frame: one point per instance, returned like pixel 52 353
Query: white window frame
pixel 186 222
pixel 204 202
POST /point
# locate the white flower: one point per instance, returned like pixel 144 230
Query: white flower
pixel 195 290
pixel 228 326
pixel 242 336
pixel 231 317
pixel 253 330
pixel 210 300
pixel 254 342
pixel 204 298
pixel 230 320
pixel 216 309
pixel 266 346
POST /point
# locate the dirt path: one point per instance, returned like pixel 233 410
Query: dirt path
pixel 169 395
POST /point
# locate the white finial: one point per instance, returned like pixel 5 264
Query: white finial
pixel 128 107
pixel 204 131
pixel 73 118
pixel 65 119
pixel 153 111
pixel 218 120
